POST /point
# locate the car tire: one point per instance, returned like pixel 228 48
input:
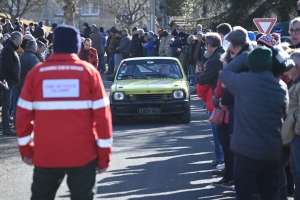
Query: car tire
pixel 115 119
pixel 185 117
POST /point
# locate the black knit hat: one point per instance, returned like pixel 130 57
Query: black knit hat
pixel 3 20
pixel 66 40
pixel 165 34
pixel 175 33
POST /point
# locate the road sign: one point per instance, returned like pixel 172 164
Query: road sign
pixel 264 25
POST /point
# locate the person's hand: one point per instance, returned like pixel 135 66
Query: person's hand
pixel 223 107
pixel 223 85
pixel 197 69
pixel 101 170
pixel 27 160
pixel 167 46
pixel 178 50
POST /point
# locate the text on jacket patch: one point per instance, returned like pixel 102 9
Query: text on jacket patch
pixel 61 88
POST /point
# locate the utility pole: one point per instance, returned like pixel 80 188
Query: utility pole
pixel 152 15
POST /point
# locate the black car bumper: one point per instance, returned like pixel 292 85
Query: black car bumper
pixel 170 107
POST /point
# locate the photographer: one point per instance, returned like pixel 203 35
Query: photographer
pixel 256 156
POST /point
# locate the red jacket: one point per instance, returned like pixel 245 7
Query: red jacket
pixel 63 101
pixel 204 92
pixel 219 91
pixel 92 56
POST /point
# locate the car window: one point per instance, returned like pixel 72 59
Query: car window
pixel 157 68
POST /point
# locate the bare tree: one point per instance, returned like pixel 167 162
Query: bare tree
pixel 127 12
pixel 69 7
pixel 15 9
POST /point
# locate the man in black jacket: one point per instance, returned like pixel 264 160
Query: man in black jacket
pixel 134 42
pixel 40 32
pixel 86 30
pixel 17 27
pixel 10 71
pixel 209 75
pixel 28 60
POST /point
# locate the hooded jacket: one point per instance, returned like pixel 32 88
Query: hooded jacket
pixel 169 41
pixel 124 44
pixel 97 39
pixel 28 60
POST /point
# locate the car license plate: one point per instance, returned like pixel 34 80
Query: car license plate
pixel 148 111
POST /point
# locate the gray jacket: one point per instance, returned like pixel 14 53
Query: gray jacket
pixel 97 38
pixel 125 44
pixel 28 60
pixel 261 102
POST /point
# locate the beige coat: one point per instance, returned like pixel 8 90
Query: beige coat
pixel 291 125
pixel 169 41
pixel 162 48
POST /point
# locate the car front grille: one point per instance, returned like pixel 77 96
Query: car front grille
pixel 147 97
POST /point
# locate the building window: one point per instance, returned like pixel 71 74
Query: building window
pixel 59 9
pixel 90 8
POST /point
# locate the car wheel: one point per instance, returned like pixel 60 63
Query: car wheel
pixel 185 117
pixel 115 119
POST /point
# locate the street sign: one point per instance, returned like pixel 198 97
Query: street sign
pixel 264 25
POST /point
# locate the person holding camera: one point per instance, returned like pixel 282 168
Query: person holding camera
pixel 261 102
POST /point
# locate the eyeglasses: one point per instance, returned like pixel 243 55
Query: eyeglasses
pixel 295 31
pixel 87 45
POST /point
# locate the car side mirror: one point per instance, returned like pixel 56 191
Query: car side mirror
pixel 110 78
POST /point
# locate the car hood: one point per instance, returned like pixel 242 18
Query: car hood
pixel 138 86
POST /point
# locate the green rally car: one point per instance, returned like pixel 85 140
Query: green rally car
pixel 150 86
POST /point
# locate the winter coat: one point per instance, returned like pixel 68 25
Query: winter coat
pixel 261 101
pixel 134 44
pixel 104 41
pixel 155 48
pixel 140 48
pixel 211 71
pixel 124 44
pixel 28 60
pixel 112 44
pixel 87 32
pixel 107 44
pixel 200 55
pixel 204 92
pixel 291 125
pixel 10 67
pixel 18 28
pixel 169 41
pixel 50 37
pixel 162 48
pixel 39 32
pixel 97 39
pixel 92 56
pixel 175 45
pixel 149 47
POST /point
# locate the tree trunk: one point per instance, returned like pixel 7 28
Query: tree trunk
pixel 69 9
pixel 161 14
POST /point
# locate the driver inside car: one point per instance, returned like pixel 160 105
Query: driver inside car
pixel 165 70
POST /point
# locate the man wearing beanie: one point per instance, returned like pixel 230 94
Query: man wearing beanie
pixel 175 45
pixel 40 32
pixel 17 27
pixel 261 102
pixel 4 26
pixel 162 45
pixel 50 35
pixel 134 42
pixel 67 102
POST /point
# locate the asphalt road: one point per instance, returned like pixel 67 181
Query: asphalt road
pixel 153 159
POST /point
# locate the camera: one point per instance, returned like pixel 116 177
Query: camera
pixel 282 61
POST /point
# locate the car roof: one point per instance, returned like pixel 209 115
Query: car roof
pixel 152 58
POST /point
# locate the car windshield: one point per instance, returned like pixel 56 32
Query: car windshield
pixel 156 68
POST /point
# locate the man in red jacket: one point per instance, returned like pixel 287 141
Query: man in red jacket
pixel 64 106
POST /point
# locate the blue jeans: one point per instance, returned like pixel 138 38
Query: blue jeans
pixel 118 59
pixel 17 92
pixel 111 63
pixel 7 102
pixel 248 172
pixel 218 148
pixel 295 153
pixel 101 65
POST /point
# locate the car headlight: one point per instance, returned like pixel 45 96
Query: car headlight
pixel 119 96
pixel 178 94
